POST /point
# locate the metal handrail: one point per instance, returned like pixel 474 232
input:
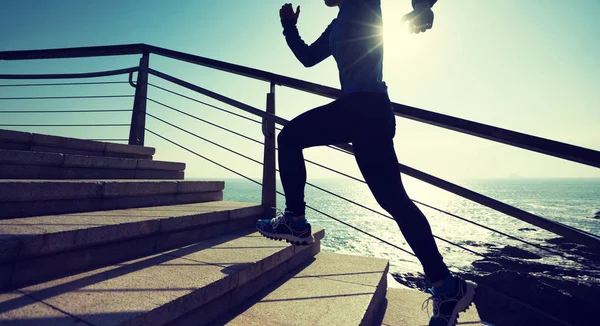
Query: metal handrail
pixel 541 145
pixel 555 227
pixel 73 75
pixel 355 179
pixel 537 144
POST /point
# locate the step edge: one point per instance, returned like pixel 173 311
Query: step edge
pixel 22 240
pixel 155 314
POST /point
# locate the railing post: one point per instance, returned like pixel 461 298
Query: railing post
pixel 138 116
pixel 269 195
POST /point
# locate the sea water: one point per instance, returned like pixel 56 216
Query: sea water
pixel 573 202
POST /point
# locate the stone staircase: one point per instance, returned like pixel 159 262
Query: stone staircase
pixel 108 251
pixel 35 156
pixel 95 233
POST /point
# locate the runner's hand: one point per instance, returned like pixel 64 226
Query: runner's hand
pixel 286 13
pixel 420 19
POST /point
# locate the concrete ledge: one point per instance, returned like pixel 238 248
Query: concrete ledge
pixel 129 149
pixel 31 158
pixel 41 208
pixel 84 241
pixel 64 142
pixel 20 171
pixel 61 150
pixel 126 189
pixel 15 136
pixel 14 146
pixel 43 235
pixel 219 307
pixel 38 190
pixel 159 200
pixel 336 290
pixel 99 162
pixel 195 186
pixel 159 175
pixel 15 164
pixel 39 172
pixel 67 145
pixel 126 155
pixel 159 289
pixel 70 173
pixel 28 271
pixel 160 165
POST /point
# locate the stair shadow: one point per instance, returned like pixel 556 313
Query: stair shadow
pixel 248 303
pixel 319 297
pixel 64 321
pixel 499 310
pixel 120 270
pixel 260 296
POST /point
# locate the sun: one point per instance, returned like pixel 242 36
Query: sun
pixel 397 42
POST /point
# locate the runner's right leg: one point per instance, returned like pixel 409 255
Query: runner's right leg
pixel 328 124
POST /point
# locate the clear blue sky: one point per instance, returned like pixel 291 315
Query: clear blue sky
pixel 530 66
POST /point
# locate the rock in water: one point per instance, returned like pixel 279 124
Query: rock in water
pixel 527 229
pixel 597 215
pixel 487 266
pixel 518 253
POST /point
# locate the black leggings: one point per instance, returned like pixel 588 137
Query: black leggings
pixel 367 121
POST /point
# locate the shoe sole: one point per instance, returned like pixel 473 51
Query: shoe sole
pixel 464 303
pixel 289 238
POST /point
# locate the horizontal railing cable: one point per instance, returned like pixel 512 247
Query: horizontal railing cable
pixel 365 207
pixel 546 224
pixel 205 121
pixel 239 134
pixel 386 216
pixel 64 97
pixel 65 84
pixel 357 229
pixel 281 121
pixel 308 183
pixel 469 221
pixel 447 213
pixel 204 157
pixel 109 139
pixel 62 111
pixel 347 224
pixel 205 139
pixel 362 181
pixel 280 193
pixel 571 233
pixel 450 214
pixel 531 143
pixel 558 253
pixel 204 103
pixel 317 187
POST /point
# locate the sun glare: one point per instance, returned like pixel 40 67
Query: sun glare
pixel 398 43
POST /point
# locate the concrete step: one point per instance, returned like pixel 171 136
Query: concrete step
pixel 25 141
pixel 334 289
pixel 43 247
pixel 159 289
pixel 403 308
pixel 22 198
pixel 16 164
